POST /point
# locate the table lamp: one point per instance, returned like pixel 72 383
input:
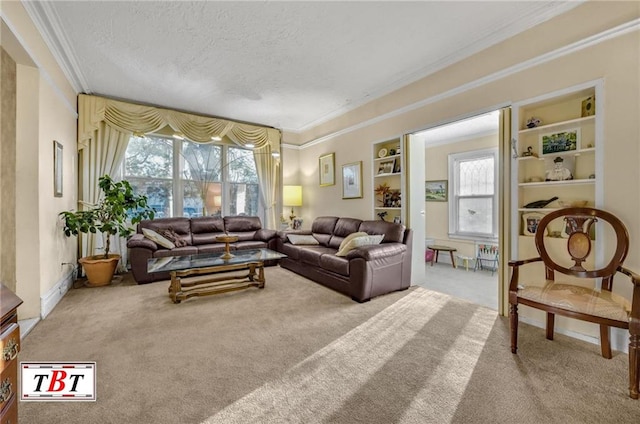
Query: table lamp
pixel 292 196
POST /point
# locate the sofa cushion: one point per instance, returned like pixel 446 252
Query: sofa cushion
pixel 242 224
pixel 181 226
pixel 360 241
pixel 312 254
pixel 302 239
pixel 393 233
pixel 292 251
pixel 178 251
pixel 246 245
pixel 205 229
pixel 211 248
pixel 343 227
pixel 322 228
pixel 335 264
pixel 158 239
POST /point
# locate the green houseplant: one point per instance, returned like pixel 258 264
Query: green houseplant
pixel 110 216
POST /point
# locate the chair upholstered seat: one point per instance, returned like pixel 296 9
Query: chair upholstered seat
pixel 575 298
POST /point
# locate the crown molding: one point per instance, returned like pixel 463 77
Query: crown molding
pixel 48 24
pixel 517 25
pixel 43 73
pixel 290 146
pixel 620 30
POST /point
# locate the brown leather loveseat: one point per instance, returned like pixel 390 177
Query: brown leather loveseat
pixel 199 234
pixel 364 272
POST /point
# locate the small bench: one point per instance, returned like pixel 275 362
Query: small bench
pixel 438 248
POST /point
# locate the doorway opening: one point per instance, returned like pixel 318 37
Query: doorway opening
pixel 461 208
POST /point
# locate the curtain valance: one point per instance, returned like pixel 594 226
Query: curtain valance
pixel 139 119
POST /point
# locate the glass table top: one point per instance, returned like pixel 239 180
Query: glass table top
pixel 203 260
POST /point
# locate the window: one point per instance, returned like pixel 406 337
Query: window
pixel 473 194
pixel 183 178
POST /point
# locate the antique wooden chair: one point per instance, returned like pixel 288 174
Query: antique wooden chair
pixel 599 306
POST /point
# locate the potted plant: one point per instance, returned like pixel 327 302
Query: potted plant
pixel 109 216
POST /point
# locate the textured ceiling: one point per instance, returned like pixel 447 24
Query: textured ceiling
pixel 290 65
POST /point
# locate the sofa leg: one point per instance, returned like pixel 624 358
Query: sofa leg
pixel 360 301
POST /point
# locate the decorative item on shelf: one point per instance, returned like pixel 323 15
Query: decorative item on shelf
pixel 392 199
pixel 572 203
pixel 540 203
pixel 392 152
pixel 589 106
pixel 592 176
pixel 381 215
pixel 530 152
pixel 560 170
pixel 397 220
pixel 533 122
pixel 560 142
pixel 530 223
pixel 386 167
pixel 381 190
pixel 396 166
pixel 382 153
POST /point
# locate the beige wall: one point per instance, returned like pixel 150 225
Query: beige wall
pixel 46 105
pixel 436 168
pixel 8 170
pixel 461 90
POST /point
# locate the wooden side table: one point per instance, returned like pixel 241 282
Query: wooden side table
pixel 440 248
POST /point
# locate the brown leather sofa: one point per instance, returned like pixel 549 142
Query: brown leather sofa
pixel 200 235
pixel 366 271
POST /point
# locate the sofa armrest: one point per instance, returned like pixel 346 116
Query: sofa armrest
pixel 265 235
pixel 377 251
pixel 139 240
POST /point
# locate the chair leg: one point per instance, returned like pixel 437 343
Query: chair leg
pixel 513 316
pixel 605 344
pixel 634 365
pixel 550 324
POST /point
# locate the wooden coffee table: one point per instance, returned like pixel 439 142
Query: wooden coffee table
pixel 213 263
pixel 440 248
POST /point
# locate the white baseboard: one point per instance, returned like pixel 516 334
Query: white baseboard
pixel 619 337
pixel 53 296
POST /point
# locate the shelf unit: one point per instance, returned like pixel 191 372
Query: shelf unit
pixel 536 151
pixel 387 169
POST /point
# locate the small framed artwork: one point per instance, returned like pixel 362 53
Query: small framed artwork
pixel 327 170
pixel 385 167
pixel 57 169
pixel 588 107
pixel 435 191
pixel 296 224
pixel 530 223
pixel 559 142
pixel 352 180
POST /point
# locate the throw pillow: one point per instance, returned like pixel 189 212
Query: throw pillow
pixel 172 236
pixel 360 241
pixel 160 240
pixel 302 239
pixel 350 237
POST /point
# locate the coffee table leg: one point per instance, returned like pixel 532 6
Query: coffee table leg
pixel 453 261
pixel 261 278
pixel 175 288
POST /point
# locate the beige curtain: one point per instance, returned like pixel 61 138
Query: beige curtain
pixel 103 152
pixel 267 168
pixel 104 128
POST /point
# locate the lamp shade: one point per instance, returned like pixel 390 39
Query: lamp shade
pixel 292 195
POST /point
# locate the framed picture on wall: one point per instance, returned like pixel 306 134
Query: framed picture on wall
pixel 57 169
pixel 435 191
pixel 327 170
pixel 352 180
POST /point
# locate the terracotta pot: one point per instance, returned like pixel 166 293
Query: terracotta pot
pixel 99 270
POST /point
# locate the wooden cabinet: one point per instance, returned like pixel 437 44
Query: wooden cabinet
pixel 556 154
pixel 9 348
pixel 387 172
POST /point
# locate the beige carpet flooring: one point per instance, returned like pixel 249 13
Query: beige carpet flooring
pixel 297 352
